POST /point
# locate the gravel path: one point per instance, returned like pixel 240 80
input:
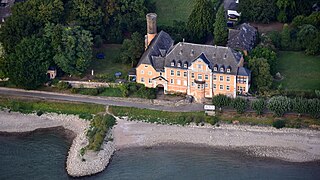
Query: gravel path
pixel 287 144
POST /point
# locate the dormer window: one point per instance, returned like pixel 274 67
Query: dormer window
pixel 215 69
pixel 179 64
pixel 228 70
pixel 172 63
pixel 185 65
pixel 221 69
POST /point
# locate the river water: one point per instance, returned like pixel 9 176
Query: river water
pixel 43 156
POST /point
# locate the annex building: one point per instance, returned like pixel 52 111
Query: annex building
pixel 201 71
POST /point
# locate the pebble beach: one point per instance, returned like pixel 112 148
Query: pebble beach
pixel 294 145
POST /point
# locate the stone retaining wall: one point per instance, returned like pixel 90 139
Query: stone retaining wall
pixel 86 84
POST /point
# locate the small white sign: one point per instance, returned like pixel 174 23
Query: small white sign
pixel 209 107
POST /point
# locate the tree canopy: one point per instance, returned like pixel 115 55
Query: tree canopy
pixel 201 19
pixel 220 27
pixel 72 48
pixel 27 66
pixel 132 49
pixel 261 77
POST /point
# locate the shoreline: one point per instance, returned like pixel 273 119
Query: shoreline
pixel 292 145
pixel 72 128
pixel 289 145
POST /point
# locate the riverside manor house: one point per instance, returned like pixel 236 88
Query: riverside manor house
pixel 201 71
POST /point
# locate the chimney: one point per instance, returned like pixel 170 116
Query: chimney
pixel 151 28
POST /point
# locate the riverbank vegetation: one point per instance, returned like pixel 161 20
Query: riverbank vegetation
pixel 161 117
pixel 99 124
pixel 99 127
pixel 31 106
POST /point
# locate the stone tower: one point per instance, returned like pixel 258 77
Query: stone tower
pixel 151 28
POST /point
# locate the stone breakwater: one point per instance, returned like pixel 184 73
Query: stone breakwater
pixel 88 164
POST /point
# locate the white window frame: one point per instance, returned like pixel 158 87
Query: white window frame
pixel 222 69
pixel 221 78
pixel 142 71
pixel 214 77
pixel 206 84
pixel 228 78
pixel 214 86
pixel 150 81
pixel 150 72
pixel 178 73
pixel 185 83
pixel 179 82
pixel 228 88
pixel 228 70
pixel 185 74
pixel 142 79
pixel 172 81
pixel 221 87
pixel 185 65
pixel 215 69
pixel 192 84
pixel 199 66
pixel 206 77
pixel 172 72
pixel 172 63
pixel 192 75
pixel 199 76
pixel 179 64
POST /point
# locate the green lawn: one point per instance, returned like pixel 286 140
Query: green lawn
pixel 301 72
pixel 108 65
pixel 169 10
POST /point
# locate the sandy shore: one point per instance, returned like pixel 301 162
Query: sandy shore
pixel 295 145
pixel 76 165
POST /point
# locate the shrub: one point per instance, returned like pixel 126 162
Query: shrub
pixel 221 100
pixel 212 120
pixel 279 105
pixel 279 124
pixel 85 116
pixel 314 108
pixel 63 85
pixel 300 105
pixel 39 113
pixel 74 90
pixel 258 106
pixel 239 104
pixel 98 129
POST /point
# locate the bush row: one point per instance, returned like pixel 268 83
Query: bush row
pixel 279 105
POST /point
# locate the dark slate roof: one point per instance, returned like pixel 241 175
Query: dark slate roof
pixel 243 38
pixel 154 54
pixel 213 55
pixel 161 53
pixel 242 71
pixel 230 5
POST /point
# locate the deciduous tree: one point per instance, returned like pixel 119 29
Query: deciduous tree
pixel 268 54
pixel 132 49
pixel 26 67
pixel 261 77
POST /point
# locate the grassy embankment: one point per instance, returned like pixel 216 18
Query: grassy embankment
pixel 99 124
pixel 184 118
pixel 301 72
